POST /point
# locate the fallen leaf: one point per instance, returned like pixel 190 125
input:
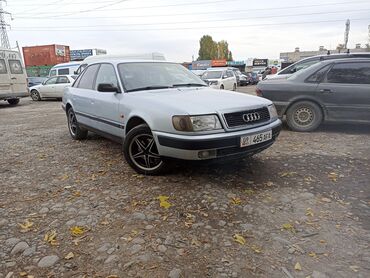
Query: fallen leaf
pixel 77 194
pixel 51 237
pixel 69 256
pixel 287 174
pixel 289 227
pixel 355 268
pixel 312 254
pixel 256 249
pixel 249 191
pixel 236 201
pixel 163 203
pixel 64 177
pixel 26 225
pixel 333 176
pixel 77 230
pixel 326 200
pixel 298 267
pixel 269 183
pixel 240 239
pixel 309 212
pixel 23 273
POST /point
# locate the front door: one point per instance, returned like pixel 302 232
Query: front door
pixel 62 82
pixel 346 91
pixel 48 89
pixel 107 103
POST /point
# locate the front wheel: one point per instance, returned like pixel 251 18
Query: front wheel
pixel 141 152
pixel 304 116
pixel 222 87
pixel 234 87
pixel 35 95
pixel 75 130
pixel 13 101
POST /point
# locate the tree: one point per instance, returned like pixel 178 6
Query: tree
pixel 208 48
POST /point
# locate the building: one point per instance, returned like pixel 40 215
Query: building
pixel 297 54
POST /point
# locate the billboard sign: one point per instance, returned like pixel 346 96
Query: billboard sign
pixel 260 62
pixel 81 54
pixel 60 50
pixel 219 63
pixel 201 65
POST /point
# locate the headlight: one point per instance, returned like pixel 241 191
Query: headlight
pixel 273 112
pixel 196 123
pixel 213 82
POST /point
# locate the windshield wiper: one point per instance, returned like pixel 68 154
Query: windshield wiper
pixel 189 85
pixel 149 88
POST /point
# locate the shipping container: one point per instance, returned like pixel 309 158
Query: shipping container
pixel 45 55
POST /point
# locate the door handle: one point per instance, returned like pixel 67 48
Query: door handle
pixel 13 78
pixel 326 91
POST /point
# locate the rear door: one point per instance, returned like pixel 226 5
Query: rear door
pixel 5 81
pixel 346 91
pixel 62 82
pixel 230 79
pixel 18 77
pixel 107 103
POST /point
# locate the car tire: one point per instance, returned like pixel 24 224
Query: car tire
pixel 234 87
pixel 141 152
pixel 304 116
pixel 35 95
pixel 76 132
pixel 222 87
pixel 13 101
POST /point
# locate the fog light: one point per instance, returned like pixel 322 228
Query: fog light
pixel 207 154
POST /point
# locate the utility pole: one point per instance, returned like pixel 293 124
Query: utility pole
pixel 3 25
pixel 346 33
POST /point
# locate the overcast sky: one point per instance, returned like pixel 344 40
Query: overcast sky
pixel 258 29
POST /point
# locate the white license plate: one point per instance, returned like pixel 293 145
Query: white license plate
pixel 250 140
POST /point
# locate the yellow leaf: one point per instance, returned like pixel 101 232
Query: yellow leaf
pixel 163 203
pixel 240 239
pixel 288 227
pixel 287 174
pixel 298 267
pixel 333 176
pixel 26 225
pixel 354 268
pixel 309 212
pixel 64 177
pixel 77 230
pixel 77 193
pixel 51 237
pixel 69 256
pixel 23 273
pixel 312 254
pixel 236 201
pixel 249 191
pixel 256 249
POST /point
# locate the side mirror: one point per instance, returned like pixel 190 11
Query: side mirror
pixel 293 70
pixel 107 88
pixel 224 77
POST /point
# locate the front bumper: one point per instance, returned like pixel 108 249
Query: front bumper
pixel 219 145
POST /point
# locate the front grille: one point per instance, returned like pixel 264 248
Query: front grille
pixel 236 119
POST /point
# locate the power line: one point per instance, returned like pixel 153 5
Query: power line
pixel 196 21
pixel 198 13
pixel 54 3
pixel 3 25
pixel 189 28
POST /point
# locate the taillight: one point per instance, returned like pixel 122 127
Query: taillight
pixel 259 92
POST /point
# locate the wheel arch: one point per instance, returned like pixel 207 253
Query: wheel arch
pixel 310 99
pixel 133 122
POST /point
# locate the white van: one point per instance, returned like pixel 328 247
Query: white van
pixel 146 56
pixel 64 69
pixel 13 76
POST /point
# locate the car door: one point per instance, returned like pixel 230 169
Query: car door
pixel 18 76
pixel 48 88
pixel 107 103
pixel 62 83
pixel 230 79
pixel 83 96
pixel 345 91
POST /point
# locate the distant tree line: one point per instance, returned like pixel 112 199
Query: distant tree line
pixel 211 50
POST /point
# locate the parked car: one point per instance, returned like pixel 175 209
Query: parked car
pixel 64 69
pixel 160 110
pixel 254 78
pixel 33 81
pixel 220 79
pixel 331 90
pixel 304 63
pixel 52 87
pixel 13 77
pixel 244 80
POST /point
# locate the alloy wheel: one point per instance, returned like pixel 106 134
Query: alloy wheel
pixel 72 122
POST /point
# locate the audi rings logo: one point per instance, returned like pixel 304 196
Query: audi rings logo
pixel 251 117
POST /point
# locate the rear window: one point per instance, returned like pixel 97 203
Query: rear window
pixel 63 71
pixel 15 67
pixel 3 69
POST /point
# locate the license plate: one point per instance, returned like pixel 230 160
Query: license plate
pixel 250 140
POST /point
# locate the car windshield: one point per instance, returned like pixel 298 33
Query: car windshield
pixel 212 74
pixel 153 75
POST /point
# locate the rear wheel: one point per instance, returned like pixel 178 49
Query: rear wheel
pixel 141 152
pixel 75 130
pixel 222 87
pixel 35 95
pixel 304 116
pixel 13 101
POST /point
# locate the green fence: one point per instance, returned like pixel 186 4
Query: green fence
pixel 38 71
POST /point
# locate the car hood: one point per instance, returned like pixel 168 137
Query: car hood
pixel 196 101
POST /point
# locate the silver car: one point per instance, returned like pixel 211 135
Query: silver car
pixel 161 111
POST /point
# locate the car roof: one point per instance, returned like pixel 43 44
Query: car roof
pixel 155 56
pixel 216 69
pixel 117 61
pixel 337 56
pixel 348 60
pixel 69 64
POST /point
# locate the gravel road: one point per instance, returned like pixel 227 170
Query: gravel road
pixel 76 209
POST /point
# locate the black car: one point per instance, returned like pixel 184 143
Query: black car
pixel 331 90
pixel 33 81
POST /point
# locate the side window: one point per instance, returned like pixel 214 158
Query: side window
pixel 319 75
pixel 87 79
pixel 224 74
pixel 3 69
pixel 15 67
pixel 305 65
pixel 63 71
pixel 53 72
pixel 229 73
pixel 349 73
pixel 106 75
pixel 81 68
pixel 51 81
pixel 63 80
